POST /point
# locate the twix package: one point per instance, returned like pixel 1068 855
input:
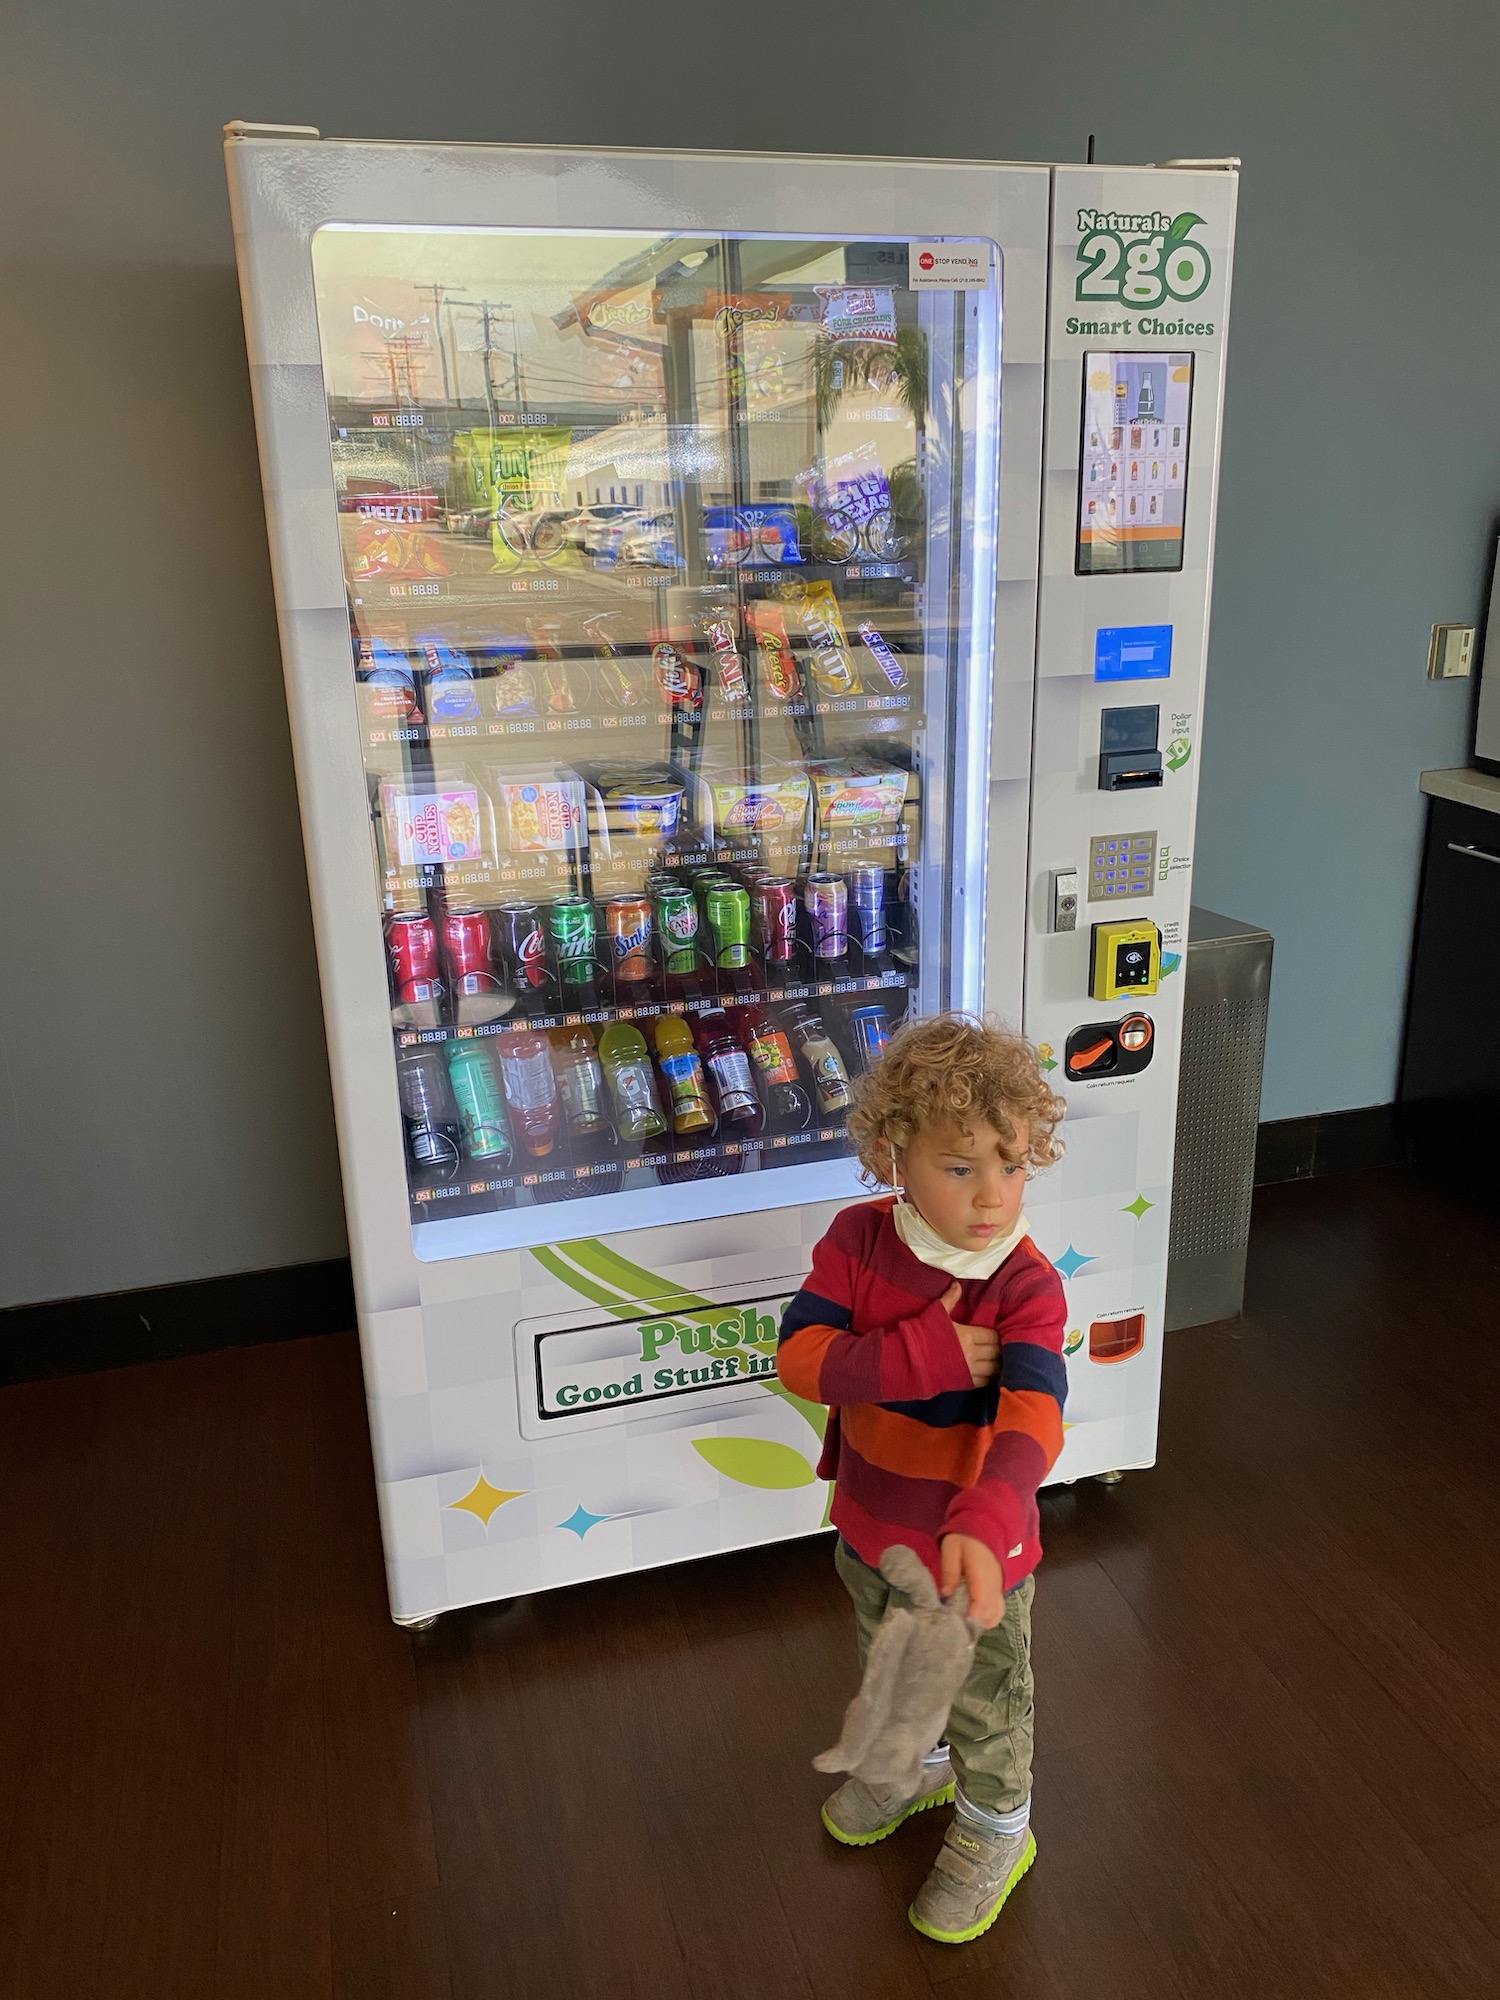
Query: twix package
pixel 833 668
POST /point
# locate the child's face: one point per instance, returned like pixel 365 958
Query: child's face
pixel 966 1185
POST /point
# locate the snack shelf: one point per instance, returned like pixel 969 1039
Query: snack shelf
pixel 550 727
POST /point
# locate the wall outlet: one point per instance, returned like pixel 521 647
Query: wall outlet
pixel 1451 653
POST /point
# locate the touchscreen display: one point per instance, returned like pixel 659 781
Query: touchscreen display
pixel 1132 480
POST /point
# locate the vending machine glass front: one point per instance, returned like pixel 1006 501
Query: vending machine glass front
pixel 670 571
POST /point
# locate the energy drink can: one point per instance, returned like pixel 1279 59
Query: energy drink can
pixel 481 1102
pixel 827 901
pixel 867 893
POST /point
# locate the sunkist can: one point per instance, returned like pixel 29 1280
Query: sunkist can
pixel 627 919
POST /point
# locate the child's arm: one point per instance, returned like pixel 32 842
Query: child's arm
pixel 820 1359
pixel 1000 1508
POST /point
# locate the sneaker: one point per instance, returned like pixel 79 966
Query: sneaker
pixel 860 1814
pixel 970 1880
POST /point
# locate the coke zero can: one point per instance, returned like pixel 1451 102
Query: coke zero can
pixel 523 949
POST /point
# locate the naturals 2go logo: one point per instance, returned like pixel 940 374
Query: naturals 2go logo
pixel 1140 260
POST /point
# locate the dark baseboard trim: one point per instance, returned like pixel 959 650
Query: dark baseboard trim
pixel 1329 1142
pixel 118 1329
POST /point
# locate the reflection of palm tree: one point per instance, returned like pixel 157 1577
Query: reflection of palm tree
pixel 854 364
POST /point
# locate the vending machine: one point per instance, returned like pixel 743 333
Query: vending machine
pixel 729 604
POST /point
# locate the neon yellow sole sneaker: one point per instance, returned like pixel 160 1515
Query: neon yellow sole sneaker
pixel 970 1880
pixel 858 1814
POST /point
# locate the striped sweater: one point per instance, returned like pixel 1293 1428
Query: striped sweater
pixel 916 1451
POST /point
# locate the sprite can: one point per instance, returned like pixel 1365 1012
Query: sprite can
pixel 573 927
pixel 481 1105
pixel 729 919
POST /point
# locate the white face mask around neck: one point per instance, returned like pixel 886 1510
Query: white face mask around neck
pixel 928 1247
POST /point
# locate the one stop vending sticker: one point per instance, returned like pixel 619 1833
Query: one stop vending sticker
pixel 948 267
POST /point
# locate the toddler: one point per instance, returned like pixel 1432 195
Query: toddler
pixel 933 1326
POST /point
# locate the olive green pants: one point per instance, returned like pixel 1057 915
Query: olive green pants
pixel 990 1727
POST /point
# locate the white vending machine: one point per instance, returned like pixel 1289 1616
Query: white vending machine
pixel 729 603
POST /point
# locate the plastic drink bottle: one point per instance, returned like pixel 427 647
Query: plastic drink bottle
pixel 788 1106
pixel 530 1091
pixel 740 1108
pixel 682 1067
pixel 429 1115
pixel 481 1104
pixel 627 1066
pixel 580 1081
pixel 830 1078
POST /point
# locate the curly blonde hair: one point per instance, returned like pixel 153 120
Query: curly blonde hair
pixel 953 1069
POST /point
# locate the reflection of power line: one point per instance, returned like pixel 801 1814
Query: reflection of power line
pixel 492 313
pixel 439 294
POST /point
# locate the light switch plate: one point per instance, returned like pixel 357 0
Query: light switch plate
pixel 1451 653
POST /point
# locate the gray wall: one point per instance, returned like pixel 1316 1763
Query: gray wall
pixel 166 1109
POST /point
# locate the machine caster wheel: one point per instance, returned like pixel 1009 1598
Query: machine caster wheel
pixel 1109 1478
pixel 418 1624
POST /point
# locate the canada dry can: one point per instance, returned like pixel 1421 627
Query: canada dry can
pixel 412 943
pixel 677 926
pixel 481 1104
pixel 729 919
pixel 574 931
pixel 867 891
pixel 776 908
pixel 628 922
pixel 827 900
pixel 522 945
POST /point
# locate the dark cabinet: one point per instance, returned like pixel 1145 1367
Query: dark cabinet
pixel 1449 1096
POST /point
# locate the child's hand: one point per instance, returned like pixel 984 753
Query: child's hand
pixel 981 1344
pixel 966 1559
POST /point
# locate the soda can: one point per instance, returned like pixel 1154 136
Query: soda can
pixel 411 941
pixel 729 919
pixel 466 941
pixel 776 910
pixel 573 928
pixel 827 901
pixel 481 1103
pixel 523 948
pixel 870 1028
pixel 867 893
pixel 889 662
pixel 627 919
pixel 677 926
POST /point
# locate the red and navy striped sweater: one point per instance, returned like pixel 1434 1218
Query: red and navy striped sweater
pixel 916 1451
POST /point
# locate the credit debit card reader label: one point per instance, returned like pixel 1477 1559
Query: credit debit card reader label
pixel 1132 652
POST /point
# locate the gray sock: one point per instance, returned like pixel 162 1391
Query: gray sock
pixel 998 1825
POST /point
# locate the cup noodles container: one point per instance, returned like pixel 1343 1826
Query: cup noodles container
pixel 543 815
pixel 857 803
pixel 432 828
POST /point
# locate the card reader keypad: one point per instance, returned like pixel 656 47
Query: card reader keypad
pixel 1121 864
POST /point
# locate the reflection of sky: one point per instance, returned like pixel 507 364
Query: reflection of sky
pixel 650 451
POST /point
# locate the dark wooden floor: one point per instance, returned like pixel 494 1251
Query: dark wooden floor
pixel 1269 1691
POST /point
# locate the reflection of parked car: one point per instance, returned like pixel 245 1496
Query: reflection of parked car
pixel 597 530
pixel 532 531
pixel 651 540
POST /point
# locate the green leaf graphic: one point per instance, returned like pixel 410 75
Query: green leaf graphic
pixel 756 1461
pixel 1181 224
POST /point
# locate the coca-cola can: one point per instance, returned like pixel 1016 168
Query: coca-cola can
pixel 466 941
pixel 411 941
pixel 776 914
pixel 523 948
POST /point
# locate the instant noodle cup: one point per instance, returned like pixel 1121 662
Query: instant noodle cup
pixel 642 805
pixel 542 815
